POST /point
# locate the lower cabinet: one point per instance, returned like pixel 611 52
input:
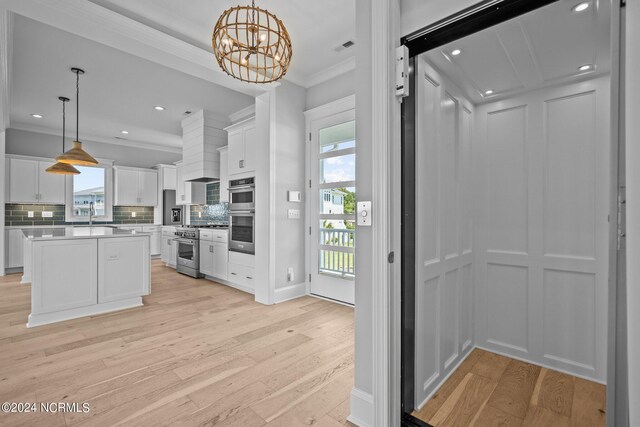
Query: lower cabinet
pixel 168 246
pixel 156 238
pixel 14 248
pixel 241 270
pixel 123 268
pixel 220 260
pixel 214 254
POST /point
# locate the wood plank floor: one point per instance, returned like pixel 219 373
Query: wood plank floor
pixel 492 390
pixel 197 353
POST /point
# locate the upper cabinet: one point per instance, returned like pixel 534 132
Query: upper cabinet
pixel 224 174
pixel 241 138
pixel 28 182
pixel 189 193
pixel 135 187
pixel 167 176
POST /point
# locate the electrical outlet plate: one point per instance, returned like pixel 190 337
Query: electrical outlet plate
pixel 47 214
pixel 30 214
pixel 364 214
pixel 294 196
pixel 133 214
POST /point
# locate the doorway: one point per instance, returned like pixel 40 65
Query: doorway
pixel 331 196
pixel 507 171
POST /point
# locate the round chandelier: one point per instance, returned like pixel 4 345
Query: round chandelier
pixel 252 44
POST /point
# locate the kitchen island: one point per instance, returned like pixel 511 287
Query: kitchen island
pixel 84 271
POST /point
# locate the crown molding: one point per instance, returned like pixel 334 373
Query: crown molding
pixel 102 25
pixel 100 139
pixel 332 72
pixel 243 114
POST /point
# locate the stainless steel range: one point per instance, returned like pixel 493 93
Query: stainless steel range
pixel 187 255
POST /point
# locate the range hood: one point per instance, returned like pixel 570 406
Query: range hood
pixel 202 134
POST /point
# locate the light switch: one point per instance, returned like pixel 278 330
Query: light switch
pixel 47 214
pixel 133 214
pixel 364 214
pixel 293 214
pixel 294 196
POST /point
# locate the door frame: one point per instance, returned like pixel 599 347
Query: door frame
pixel 466 22
pixel 336 107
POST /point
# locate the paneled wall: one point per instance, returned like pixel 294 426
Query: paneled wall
pixel 542 162
pixel 444 256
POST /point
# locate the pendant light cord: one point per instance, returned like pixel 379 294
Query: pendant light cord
pixel 64 125
pixel 77 106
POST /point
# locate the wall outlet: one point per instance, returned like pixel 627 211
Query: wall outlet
pixel 30 214
pixel 293 214
pixel 290 274
pixel 47 214
pixel 133 214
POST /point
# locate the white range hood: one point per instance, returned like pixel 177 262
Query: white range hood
pixel 202 134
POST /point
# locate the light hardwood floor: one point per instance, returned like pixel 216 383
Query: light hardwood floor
pixel 492 390
pixel 197 353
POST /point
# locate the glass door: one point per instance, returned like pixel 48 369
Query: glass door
pixel 333 207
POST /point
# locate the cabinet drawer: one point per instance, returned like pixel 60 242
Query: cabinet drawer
pixel 206 235
pixel 241 275
pixel 239 258
pixel 220 235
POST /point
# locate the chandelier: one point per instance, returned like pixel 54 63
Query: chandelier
pixel 252 44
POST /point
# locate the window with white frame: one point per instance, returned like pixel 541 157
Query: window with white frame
pixel 89 194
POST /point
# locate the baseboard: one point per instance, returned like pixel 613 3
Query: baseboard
pixel 290 292
pixel 361 408
pixel 229 284
pixel 75 313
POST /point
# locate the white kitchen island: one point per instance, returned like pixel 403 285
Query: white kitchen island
pixel 83 271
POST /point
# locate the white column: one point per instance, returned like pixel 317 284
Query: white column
pixel 5 67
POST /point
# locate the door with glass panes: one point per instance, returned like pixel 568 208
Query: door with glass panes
pixel 333 206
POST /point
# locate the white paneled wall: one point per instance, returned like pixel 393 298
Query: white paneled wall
pixel 444 270
pixel 541 226
pixel 511 228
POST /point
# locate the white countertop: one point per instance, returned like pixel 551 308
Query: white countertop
pixel 68 233
pixel 29 227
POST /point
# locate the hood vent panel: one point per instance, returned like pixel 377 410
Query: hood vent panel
pixel 202 134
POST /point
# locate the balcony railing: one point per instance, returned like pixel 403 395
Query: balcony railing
pixel 337 251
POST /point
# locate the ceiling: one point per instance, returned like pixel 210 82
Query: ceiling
pixel 542 48
pixel 316 28
pixel 118 91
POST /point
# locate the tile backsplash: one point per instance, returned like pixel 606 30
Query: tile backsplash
pixel 17 214
pixel 213 212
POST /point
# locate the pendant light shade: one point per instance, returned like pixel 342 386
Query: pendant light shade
pixel 76 155
pixel 63 168
pixel 252 44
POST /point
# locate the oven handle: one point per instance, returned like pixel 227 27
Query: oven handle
pixel 244 213
pixel 241 187
pixel 187 241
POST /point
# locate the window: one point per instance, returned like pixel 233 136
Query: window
pixel 90 190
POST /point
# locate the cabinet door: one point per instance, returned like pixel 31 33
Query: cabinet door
pixel 126 187
pixel 55 285
pixel 168 178
pixel 180 187
pixel 224 176
pixel 51 187
pixel 220 260
pixel 206 258
pixel 235 152
pixel 174 252
pixel 156 242
pixel 249 140
pixel 123 268
pixel 14 248
pixel 148 188
pixel 23 181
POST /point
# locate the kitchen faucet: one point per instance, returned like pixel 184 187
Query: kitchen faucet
pixel 90 213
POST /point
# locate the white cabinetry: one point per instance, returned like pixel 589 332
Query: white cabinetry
pixel 214 253
pixel 168 246
pixel 189 193
pixel 241 270
pixel 167 177
pixel 119 274
pixel 14 248
pixel 135 187
pixel 28 182
pixel 224 174
pixel 156 238
pixel 241 141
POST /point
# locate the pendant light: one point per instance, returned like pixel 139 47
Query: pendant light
pixel 77 156
pixel 63 168
pixel 252 44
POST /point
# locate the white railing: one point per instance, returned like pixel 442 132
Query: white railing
pixel 341 260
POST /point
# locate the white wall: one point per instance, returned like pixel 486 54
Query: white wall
pixel 44 145
pixel 416 14
pixel 542 230
pixel 331 90
pixel 632 89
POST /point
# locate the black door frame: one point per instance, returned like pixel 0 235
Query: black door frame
pixel 466 22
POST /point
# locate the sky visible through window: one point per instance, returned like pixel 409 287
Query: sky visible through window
pixel 89 178
pixel 341 168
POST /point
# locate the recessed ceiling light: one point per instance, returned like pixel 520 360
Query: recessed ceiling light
pixel 124 132
pixel 585 67
pixel 37 116
pixel 456 52
pixel 581 6
pixel 159 108
pixel 488 92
